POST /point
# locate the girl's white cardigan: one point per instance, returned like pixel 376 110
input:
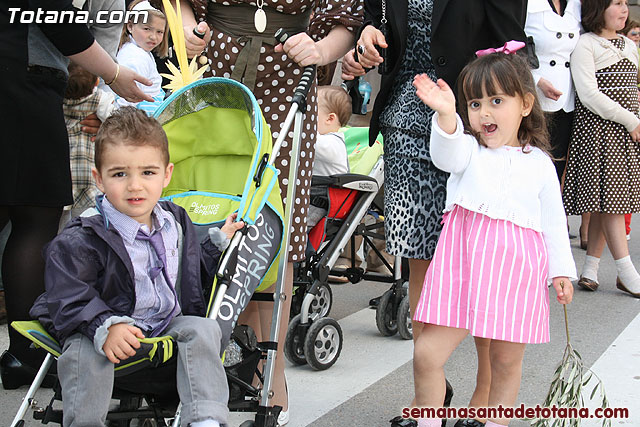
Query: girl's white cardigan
pixel 594 53
pixel 508 183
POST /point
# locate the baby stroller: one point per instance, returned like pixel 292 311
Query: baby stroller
pixel 349 198
pixel 214 126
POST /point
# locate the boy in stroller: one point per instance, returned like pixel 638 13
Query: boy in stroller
pixel 334 111
pixel 133 268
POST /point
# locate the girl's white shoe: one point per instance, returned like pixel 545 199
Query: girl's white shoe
pixel 283 416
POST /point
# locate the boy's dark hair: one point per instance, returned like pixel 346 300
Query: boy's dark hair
pixel 81 82
pixel 130 126
pixel 593 14
pixel 162 50
pixel 335 100
pixel 509 74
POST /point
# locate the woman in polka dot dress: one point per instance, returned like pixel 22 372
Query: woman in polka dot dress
pixel 236 48
pixel 603 171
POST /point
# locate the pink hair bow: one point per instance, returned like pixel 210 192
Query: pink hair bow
pixel 508 48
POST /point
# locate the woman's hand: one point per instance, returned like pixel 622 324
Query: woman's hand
pixel 125 85
pixel 302 49
pixel 564 289
pixel 548 90
pixel 230 227
pixel 350 68
pixel 368 55
pixel 635 134
pixel 195 45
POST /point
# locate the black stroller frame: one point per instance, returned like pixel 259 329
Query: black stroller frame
pixel 314 338
pixel 255 399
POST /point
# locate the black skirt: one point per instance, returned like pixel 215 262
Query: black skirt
pixel 34 146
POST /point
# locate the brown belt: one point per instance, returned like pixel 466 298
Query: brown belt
pixel 236 21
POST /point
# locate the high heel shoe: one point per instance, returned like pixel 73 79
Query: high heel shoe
pixel 583 242
pixel 448 394
pixel 15 374
pixel 399 421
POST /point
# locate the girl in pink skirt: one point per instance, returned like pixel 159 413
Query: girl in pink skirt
pixel 505 232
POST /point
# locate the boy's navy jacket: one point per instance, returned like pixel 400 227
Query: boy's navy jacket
pixel 89 276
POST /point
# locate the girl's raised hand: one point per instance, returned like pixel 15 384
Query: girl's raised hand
pixel 564 289
pixel 438 96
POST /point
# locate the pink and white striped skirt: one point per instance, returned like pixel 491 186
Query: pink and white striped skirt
pixel 488 276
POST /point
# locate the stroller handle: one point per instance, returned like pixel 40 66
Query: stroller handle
pixel 308 76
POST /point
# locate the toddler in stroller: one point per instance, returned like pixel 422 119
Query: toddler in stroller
pixel 312 337
pixel 334 111
pixel 133 268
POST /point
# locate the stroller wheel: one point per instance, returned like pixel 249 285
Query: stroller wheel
pixel 404 319
pixel 385 315
pixel 248 423
pixel 293 344
pixel 321 304
pixel 323 343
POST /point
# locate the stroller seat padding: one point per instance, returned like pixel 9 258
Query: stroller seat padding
pixel 215 154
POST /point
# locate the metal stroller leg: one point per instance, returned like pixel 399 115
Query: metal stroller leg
pixel 265 417
pixel 35 385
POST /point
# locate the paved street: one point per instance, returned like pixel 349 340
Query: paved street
pixel 372 380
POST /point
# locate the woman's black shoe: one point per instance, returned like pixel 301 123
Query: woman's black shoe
pixel 448 394
pixel 15 374
pixel 410 422
pixel 469 422
pixel 403 422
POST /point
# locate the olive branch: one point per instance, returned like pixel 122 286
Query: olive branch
pixel 569 380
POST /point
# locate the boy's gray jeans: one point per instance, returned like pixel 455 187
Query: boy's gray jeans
pixel 86 377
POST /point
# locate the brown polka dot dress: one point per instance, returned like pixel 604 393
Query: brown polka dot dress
pixel 603 169
pixel 277 76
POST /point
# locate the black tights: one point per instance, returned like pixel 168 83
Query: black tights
pixel 23 266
